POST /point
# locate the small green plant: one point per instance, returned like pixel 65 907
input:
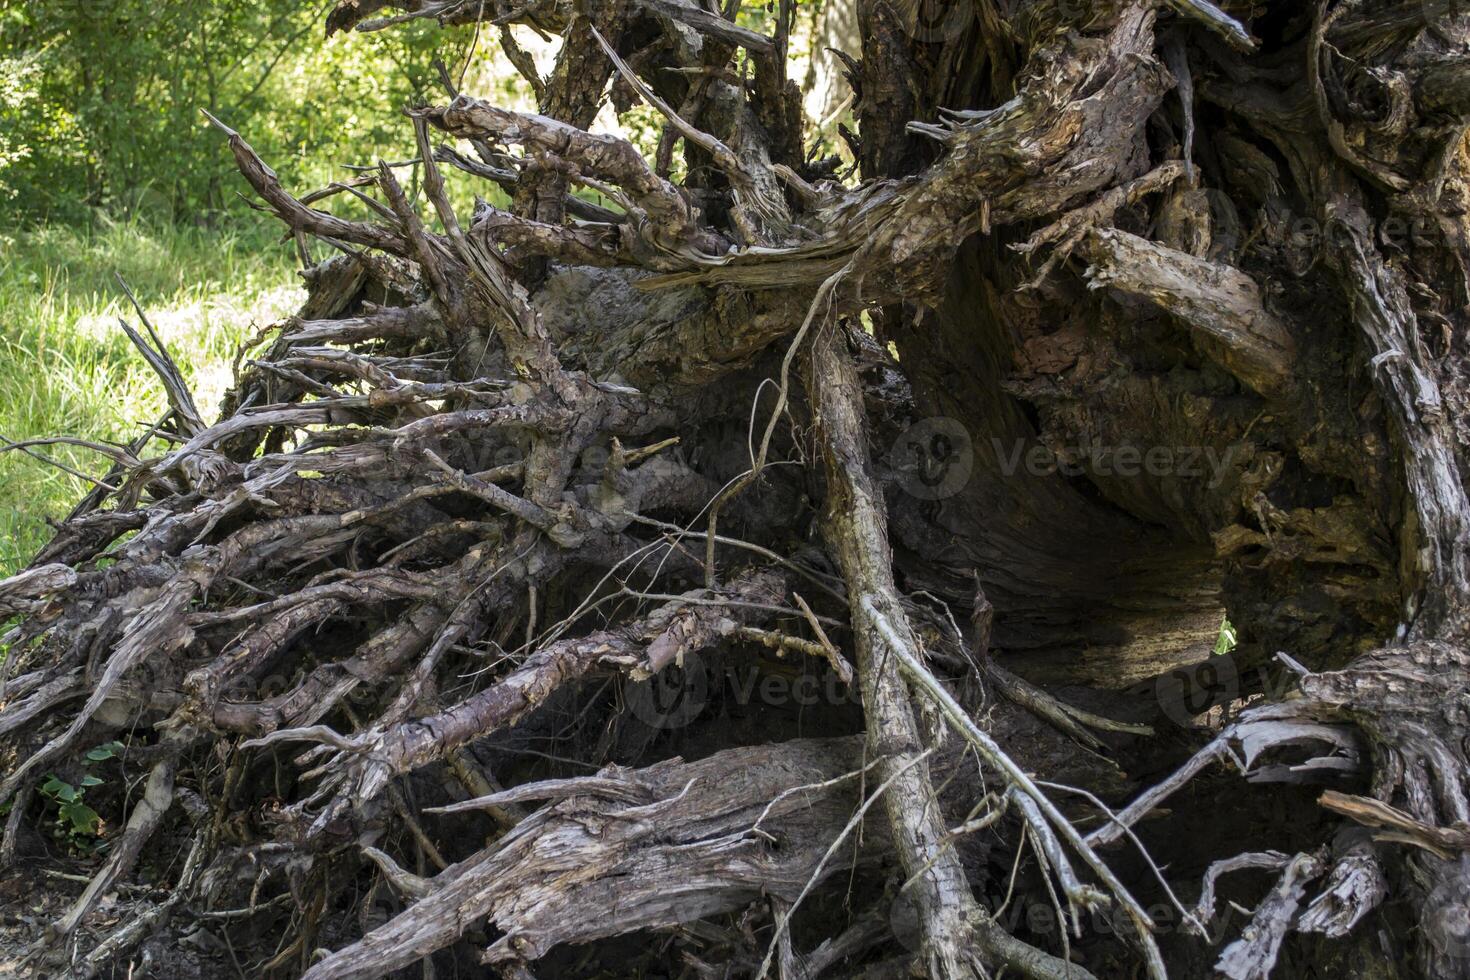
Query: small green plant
pixel 72 814
pixel 1227 639
pixel 77 822
pixel 103 752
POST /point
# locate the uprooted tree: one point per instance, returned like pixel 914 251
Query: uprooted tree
pixel 439 645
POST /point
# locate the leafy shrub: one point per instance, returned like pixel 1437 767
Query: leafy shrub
pixel 100 100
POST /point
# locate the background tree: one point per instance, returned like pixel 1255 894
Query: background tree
pixel 105 97
pixel 1160 309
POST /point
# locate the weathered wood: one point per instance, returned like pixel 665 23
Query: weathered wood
pixel 856 526
pixel 447 511
pixel 1223 304
pixel 653 847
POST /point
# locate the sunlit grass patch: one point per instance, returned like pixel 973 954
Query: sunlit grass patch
pixel 66 367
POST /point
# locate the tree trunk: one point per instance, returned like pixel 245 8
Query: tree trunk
pixel 905 507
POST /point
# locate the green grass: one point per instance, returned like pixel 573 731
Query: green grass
pixel 66 368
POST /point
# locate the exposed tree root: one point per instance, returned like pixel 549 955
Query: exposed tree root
pixel 506 616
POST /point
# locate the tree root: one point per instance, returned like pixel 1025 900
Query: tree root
pixel 443 530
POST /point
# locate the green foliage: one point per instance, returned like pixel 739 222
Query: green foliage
pixel 1227 638
pixel 642 125
pixel 100 100
pixel 108 167
pixel 75 820
pixel 67 369
pixel 103 752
